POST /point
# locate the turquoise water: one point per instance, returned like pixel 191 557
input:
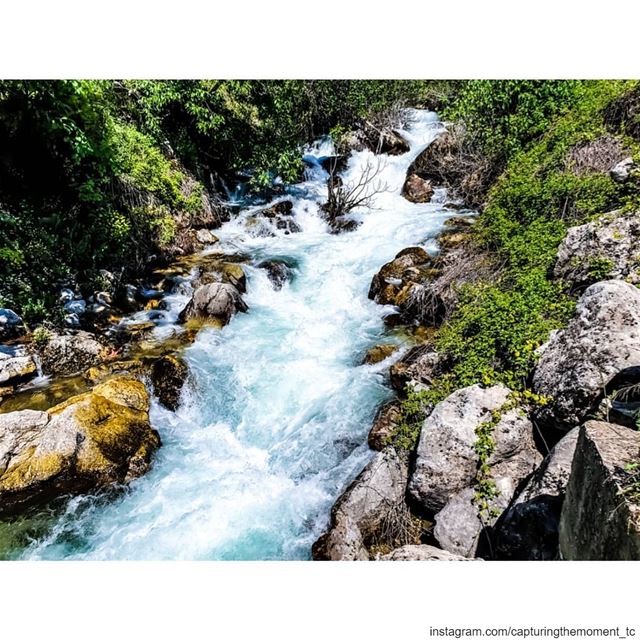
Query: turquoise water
pixel 273 424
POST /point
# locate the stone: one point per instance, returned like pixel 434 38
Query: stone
pixel 598 521
pixel 97 439
pixel 605 248
pixel 528 530
pixel 576 364
pixel 421 552
pixel 417 368
pixel 384 425
pixel 168 375
pixel 66 354
pixel 621 172
pixel 11 324
pixel 356 518
pixel 216 301
pixel 379 352
pixel 16 366
pixel 417 189
pixel 77 307
pixel 446 459
pixel 462 528
pixel 206 237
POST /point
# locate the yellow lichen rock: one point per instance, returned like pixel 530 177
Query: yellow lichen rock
pixel 89 441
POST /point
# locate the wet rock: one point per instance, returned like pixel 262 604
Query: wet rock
pixel 598 522
pixel 16 366
pixel 603 249
pixel 127 297
pixel 206 237
pixel 226 272
pixel 379 352
pixel 371 500
pixel 421 552
pixel 108 370
pixel 11 324
pixel 69 353
pixel 216 301
pixel 576 364
pixel 463 528
pixel 384 140
pixel 279 272
pixel 417 368
pixel 168 375
pixel 392 283
pixel 528 529
pixel 283 208
pixel 446 459
pixel 621 172
pixel 384 425
pixel 417 189
pixel 93 440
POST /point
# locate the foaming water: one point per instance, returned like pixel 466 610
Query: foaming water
pixel 273 424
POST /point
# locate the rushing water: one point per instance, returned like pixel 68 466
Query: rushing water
pixel 273 424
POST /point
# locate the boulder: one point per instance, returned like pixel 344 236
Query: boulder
pixel 384 425
pixel 16 366
pixel 446 459
pixel 225 272
pixel 462 528
pixel 93 440
pixel 417 368
pixel 373 499
pixel 417 189
pixel 11 324
pixel 215 301
pixel 392 283
pixel 387 141
pixel 421 552
pixel 603 249
pixel 528 529
pixel 70 353
pixel 168 375
pixel 599 520
pixel 576 364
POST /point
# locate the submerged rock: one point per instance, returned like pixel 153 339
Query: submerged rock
pixel 577 363
pixel 168 375
pixel 598 521
pixel 215 301
pixel 421 552
pixel 528 529
pixel 279 272
pixel 93 440
pixel 69 353
pixel 375 498
pixel 604 248
pixel 446 457
pixel 379 352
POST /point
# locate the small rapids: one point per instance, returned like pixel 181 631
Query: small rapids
pixel 273 424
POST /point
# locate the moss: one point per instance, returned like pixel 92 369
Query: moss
pixel 32 468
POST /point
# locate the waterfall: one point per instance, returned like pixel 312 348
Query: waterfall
pixel 274 423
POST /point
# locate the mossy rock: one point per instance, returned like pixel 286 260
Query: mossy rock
pixel 97 439
pixel 168 375
pixel 379 352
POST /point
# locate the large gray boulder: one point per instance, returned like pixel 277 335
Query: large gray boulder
pixel 90 441
pixel 374 499
pixel 421 552
pixel 216 301
pixel 598 521
pixel 576 364
pixel 70 353
pixel 528 529
pixel 446 459
pixel 11 324
pixel 604 248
